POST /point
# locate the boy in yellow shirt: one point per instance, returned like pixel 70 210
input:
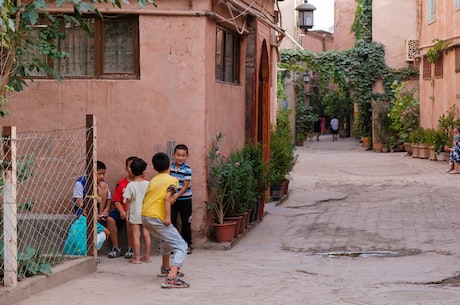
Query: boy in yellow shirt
pixel 156 218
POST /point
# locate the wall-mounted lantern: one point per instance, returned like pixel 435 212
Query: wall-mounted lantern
pixel 305 15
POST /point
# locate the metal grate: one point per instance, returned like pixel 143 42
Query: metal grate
pixel 412 49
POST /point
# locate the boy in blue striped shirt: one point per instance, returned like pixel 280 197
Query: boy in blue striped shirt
pixel 183 197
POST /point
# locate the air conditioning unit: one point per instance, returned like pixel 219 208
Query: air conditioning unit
pixel 412 50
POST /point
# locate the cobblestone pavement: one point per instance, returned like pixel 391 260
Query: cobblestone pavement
pixel 358 228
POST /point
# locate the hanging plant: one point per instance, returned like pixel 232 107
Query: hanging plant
pixel 434 52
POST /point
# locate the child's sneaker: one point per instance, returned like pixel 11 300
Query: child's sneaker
pixel 164 273
pixel 116 252
pixel 129 254
pixel 175 283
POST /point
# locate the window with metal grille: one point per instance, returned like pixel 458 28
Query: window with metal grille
pixel 457 59
pixel 426 68
pixel 227 56
pixel 439 66
pixel 112 51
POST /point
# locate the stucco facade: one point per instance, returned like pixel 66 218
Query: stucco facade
pixel 344 15
pixel 176 97
pixel 438 92
pixel 393 27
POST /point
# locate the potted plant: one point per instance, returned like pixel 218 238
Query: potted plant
pixel 300 139
pixel 217 187
pixel 231 182
pixel 404 113
pixel 253 152
pixel 363 124
pixel 391 143
pixel 385 147
pixel 282 156
pixel 430 136
pixel 441 139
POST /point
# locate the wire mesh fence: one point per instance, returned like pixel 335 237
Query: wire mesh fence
pixel 46 164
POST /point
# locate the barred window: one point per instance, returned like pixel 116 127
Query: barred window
pixel 227 56
pixel 426 68
pixel 111 52
pixel 457 59
pixel 439 66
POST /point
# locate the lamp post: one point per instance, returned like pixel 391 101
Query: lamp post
pixel 305 15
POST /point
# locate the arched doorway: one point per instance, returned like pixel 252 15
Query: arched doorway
pixel 263 103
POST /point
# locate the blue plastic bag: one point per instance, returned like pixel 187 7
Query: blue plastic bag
pixel 75 243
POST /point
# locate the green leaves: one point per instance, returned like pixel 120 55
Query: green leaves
pixel 404 113
pixel 434 52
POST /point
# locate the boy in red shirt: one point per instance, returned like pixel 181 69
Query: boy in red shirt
pixel 118 215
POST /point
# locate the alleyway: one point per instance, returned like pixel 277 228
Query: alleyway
pixel 358 228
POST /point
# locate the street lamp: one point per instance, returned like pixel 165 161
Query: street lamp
pixel 305 15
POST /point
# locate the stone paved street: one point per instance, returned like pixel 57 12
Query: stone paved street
pixel 358 228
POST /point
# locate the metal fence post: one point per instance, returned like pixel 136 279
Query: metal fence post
pixel 10 237
pixel 91 185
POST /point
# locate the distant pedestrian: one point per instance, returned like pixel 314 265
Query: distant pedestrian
pixel 317 128
pixel 334 128
pixel 323 124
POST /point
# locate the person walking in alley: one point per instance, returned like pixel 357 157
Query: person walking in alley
pixel 323 124
pixel 317 129
pixel 334 128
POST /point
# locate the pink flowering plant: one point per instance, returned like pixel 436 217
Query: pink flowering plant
pixel 231 182
pixel 405 111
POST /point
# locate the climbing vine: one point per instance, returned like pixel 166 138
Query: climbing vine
pixel 352 72
pixel 362 25
pixel 434 52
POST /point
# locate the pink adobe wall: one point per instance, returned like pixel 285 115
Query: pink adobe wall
pixel 438 94
pixel 176 99
pixel 344 14
pixel 394 21
pixel 317 41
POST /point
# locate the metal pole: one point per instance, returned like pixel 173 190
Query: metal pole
pixel 91 186
pixel 10 221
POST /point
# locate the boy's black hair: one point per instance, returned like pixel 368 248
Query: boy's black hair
pixel 138 166
pixel 181 147
pixel 132 158
pixel 160 162
pixel 100 165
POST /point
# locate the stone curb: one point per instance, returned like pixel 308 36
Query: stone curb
pixel 62 273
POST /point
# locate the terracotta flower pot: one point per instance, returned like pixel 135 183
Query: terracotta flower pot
pixel 238 220
pixel 365 141
pixel 224 232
